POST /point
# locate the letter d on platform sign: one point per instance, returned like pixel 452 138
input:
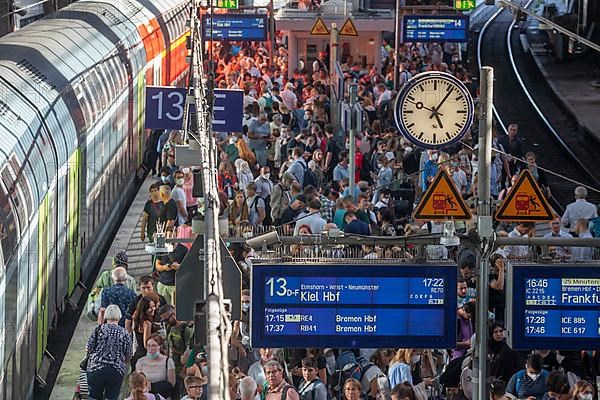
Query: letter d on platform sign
pixel 164 107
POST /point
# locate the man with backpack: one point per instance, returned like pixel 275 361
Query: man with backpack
pixel 299 166
pixel 311 387
pixel 276 387
pixel 529 383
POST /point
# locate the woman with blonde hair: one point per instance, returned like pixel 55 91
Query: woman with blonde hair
pixel 140 386
pixel 399 370
pixel 583 390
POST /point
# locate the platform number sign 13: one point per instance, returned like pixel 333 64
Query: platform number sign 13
pixel 165 107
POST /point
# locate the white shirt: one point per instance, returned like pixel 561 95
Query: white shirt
pixel 582 253
pixel 178 195
pixel 580 208
pixel 314 221
pixel 516 251
pixel 460 179
pixel 385 96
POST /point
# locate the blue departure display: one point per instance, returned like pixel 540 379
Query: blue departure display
pixel 353 306
pixel 556 303
pixel 436 28
pixel 235 27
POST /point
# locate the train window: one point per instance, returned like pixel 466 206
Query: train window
pixel 118 73
pixel 101 87
pixel 88 90
pixel 107 72
pixel 8 228
pixel 16 196
pixel 22 186
pixel 88 115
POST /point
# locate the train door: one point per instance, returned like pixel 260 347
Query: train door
pixel 73 189
pixel 42 284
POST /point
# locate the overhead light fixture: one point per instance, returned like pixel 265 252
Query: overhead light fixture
pixel 449 237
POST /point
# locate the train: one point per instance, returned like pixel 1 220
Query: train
pixel 72 141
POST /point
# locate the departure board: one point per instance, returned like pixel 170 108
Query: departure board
pixel 554 303
pixel 353 305
pixel 435 28
pixel 235 27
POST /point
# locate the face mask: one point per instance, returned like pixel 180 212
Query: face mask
pixel 415 358
pixel 585 396
pixel 380 166
pixel 347 146
pixel 434 157
pixel 153 356
pixel 266 176
pixel 165 179
pixel 245 307
pixel 533 377
pixel 560 358
pixel 385 200
pixel 233 140
pixel 179 181
pixel 246 116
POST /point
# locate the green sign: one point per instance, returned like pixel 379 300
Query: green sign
pixel 231 4
pixel 464 5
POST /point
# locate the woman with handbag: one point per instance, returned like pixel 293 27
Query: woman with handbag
pixel 158 368
pixel 108 351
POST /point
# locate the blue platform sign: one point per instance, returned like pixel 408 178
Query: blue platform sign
pixel 354 306
pixel 436 28
pixel 555 307
pixel 165 106
pixel 228 110
pixel 235 27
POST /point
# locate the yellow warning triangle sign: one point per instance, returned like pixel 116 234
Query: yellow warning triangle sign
pixel 442 201
pixel 319 28
pixel 348 29
pixel 525 202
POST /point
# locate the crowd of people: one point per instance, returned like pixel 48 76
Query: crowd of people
pixel 289 168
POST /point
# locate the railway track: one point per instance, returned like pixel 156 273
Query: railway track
pixel 522 95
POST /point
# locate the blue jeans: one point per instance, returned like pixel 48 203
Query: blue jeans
pixel 104 383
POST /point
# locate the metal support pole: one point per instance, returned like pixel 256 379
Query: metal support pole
pixel 353 90
pixel 272 30
pixel 214 357
pixel 397 39
pixel 485 232
pixel 333 57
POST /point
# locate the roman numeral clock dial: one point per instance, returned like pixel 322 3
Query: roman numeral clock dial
pixel 433 110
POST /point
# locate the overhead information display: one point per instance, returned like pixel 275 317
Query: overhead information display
pixel 436 28
pixel 235 27
pixel 554 303
pixel 353 305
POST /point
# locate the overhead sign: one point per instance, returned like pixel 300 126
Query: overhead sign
pixel 554 307
pixel 235 27
pixel 442 200
pixel 228 110
pixel 164 107
pixel 353 306
pixel 525 202
pixel 229 4
pixel 464 5
pixel 348 29
pixel 436 28
pixel 319 28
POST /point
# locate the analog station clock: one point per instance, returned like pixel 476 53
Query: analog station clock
pixel 433 110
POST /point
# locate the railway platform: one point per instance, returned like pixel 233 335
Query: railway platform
pixel 127 238
pixel 573 81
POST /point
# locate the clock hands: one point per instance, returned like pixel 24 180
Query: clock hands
pixel 419 105
pixel 437 117
pixel 435 112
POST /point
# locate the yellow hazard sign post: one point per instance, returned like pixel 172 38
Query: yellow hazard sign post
pixel 525 202
pixel 319 28
pixel 348 29
pixel 442 201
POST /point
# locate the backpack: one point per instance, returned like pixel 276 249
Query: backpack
pixel 313 391
pixel 268 221
pixel 348 366
pixel 450 378
pixel 309 177
pixel 286 388
pixel 595 227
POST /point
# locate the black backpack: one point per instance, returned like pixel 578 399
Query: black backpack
pixel 309 177
pixel 268 221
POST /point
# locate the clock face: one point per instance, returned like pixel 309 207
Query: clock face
pixel 433 110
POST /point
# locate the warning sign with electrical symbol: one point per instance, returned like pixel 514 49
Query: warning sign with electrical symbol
pixel 442 201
